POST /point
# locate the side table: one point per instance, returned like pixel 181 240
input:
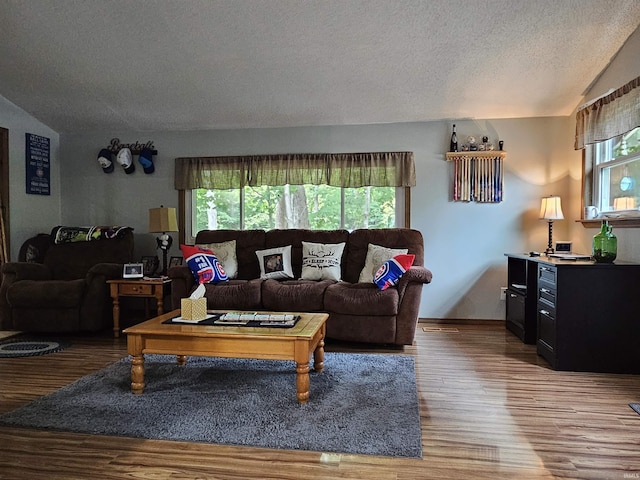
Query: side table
pixel 148 288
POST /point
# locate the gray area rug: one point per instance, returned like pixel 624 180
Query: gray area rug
pixel 29 347
pixel 360 403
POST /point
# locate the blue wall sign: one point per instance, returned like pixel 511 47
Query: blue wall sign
pixel 38 170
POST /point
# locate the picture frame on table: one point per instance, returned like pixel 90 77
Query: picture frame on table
pixel 176 262
pixel 150 264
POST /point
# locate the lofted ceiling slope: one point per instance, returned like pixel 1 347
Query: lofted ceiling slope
pixel 95 65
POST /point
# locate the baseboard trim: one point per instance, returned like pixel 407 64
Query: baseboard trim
pixel 458 321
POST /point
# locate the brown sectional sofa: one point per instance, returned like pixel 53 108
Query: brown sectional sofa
pixel 358 312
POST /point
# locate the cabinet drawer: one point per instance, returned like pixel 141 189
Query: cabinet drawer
pixel 516 308
pixel 547 296
pixel 135 289
pixel 547 274
pixel 546 328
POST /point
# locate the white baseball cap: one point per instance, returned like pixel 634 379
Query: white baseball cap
pixel 124 158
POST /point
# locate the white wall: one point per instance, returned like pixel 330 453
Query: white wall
pixel 29 214
pixel 464 242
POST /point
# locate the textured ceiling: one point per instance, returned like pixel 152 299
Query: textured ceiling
pixel 93 65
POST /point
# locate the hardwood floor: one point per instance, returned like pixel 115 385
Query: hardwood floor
pixel 490 408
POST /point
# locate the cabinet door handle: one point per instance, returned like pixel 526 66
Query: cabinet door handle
pixel 544 312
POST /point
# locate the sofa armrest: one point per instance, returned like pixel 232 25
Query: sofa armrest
pixel 416 274
pixel 108 271
pixel 16 271
pixel 182 282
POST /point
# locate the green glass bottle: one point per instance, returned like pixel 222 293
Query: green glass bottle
pixel 605 244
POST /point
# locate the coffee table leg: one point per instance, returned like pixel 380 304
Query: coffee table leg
pixel 302 382
pixel 182 359
pixel 318 357
pixel 137 374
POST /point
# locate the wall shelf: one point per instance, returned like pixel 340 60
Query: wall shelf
pixel 477 175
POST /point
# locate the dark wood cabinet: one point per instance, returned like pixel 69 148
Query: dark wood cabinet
pixel 521 304
pixel 586 315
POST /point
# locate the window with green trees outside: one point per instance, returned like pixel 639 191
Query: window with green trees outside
pixel 319 207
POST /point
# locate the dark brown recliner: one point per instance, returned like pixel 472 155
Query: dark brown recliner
pixel 68 292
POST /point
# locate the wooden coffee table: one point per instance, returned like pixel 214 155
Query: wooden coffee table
pixel 296 343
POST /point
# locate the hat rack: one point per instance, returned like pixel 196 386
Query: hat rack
pixel 136 148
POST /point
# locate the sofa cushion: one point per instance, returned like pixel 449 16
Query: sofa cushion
pixel 295 237
pixel 46 293
pixel 203 264
pixel 275 262
pixel 392 270
pixel 225 252
pixel 360 299
pixel 376 256
pixel 234 295
pixel 247 242
pixel 322 260
pixel 360 239
pixel 294 295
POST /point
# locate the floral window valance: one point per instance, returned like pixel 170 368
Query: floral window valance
pixel 609 116
pixel 378 169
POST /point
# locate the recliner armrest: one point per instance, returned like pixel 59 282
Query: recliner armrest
pixel 110 271
pixel 415 274
pixel 25 271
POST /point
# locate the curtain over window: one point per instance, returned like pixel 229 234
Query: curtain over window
pixel 609 116
pixel 378 169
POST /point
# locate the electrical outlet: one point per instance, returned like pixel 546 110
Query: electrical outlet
pixel 503 293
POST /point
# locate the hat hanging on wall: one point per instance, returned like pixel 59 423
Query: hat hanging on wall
pixel 124 158
pixel 146 160
pixel 105 159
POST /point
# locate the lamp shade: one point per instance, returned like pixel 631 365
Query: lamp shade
pixel 551 209
pixel 162 220
pixel 624 203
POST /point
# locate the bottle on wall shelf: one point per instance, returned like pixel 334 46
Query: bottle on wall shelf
pixel 605 244
pixel 454 140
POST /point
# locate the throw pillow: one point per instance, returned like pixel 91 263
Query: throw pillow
pixel 391 271
pixel 203 264
pixel 376 256
pixel 225 252
pixel 321 261
pixel 275 262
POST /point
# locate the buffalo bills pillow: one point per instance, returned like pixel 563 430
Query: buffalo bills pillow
pixel 203 264
pixel 391 271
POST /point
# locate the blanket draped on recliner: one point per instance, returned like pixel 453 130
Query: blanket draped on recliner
pixel 62 234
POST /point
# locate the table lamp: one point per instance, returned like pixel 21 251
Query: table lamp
pixel 163 220
pixel 624 203
pixel 551 210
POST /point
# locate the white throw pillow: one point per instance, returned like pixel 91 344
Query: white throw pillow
pixel 376 256
pixel 321 261
pixel 225 252
pixel 275 262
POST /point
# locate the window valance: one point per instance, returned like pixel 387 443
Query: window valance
pixel 609 116
pixel 378 169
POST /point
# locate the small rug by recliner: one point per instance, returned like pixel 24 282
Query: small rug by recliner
pixel 29 347
pixel 360 403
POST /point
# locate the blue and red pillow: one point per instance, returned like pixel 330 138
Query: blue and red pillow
pixel 203 264
pixel 391 271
